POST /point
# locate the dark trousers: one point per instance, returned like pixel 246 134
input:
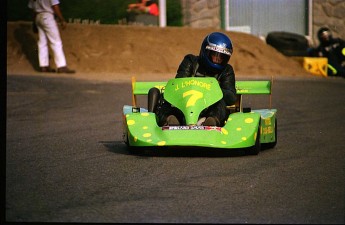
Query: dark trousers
pixel 337 68
pixel 217 110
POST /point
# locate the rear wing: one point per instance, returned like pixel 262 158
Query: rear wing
pixel 143 87
pixel 251 88
pixel 242 88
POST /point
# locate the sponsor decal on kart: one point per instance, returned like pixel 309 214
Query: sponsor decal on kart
pixel 192 128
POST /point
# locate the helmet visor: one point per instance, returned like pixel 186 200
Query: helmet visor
pixel 218 55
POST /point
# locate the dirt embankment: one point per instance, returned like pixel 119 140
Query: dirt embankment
pixel 114 52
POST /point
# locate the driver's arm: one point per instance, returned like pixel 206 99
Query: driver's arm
pixel 227 84
pixel 186 67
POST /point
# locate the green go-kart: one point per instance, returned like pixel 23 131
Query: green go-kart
pixel 246 128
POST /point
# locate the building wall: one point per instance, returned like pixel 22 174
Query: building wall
pixel 329 13
pixel 206 13
pixel 201 13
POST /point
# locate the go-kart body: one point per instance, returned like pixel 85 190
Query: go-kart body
pixel 193 95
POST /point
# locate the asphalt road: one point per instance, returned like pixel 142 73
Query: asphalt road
pixel 66 162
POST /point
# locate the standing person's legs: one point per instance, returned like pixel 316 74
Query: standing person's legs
pixel 53 35
pixel 42 43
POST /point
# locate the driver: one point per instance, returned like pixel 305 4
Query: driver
pixel 212 61
pixel 331 48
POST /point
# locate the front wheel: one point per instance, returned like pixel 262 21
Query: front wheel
pixel 254 150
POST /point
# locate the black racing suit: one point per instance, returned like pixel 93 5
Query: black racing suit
pixel 334 51
pixel 190 67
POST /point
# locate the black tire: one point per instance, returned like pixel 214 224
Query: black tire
pixel 152 99
pixel 135 150
pixel 254 150
pixel 272 144
pixel 132 150
pixel 289 44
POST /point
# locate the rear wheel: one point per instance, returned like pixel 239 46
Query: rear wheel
pixel 272 144
pixel 254 150
pixel 152 99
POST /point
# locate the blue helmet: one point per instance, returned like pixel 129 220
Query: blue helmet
pixel 215 51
